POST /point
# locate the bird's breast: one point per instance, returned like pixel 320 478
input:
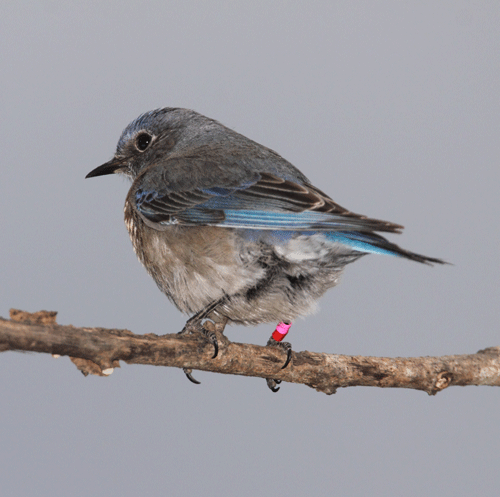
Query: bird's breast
pixel 192 265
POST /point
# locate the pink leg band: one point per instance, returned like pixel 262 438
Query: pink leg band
pixel 281 330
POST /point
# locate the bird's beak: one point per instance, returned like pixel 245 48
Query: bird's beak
pixel 108 168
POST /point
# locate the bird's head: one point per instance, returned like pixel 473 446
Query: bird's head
pixel 154 136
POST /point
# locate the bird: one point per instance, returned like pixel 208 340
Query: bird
pixel 232 232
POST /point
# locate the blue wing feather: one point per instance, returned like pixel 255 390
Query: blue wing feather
pixel 269 209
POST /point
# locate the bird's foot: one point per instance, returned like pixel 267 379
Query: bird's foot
pixel 275 341
pixel 198 326
pixel 285 346
pixel 207 326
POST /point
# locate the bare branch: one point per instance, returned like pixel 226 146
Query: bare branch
pixel 99 350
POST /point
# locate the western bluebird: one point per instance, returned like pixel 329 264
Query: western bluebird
pixel 229 230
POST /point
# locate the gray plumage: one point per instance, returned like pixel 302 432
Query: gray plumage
pixel 216 218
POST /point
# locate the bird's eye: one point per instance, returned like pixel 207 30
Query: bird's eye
pixel 142 141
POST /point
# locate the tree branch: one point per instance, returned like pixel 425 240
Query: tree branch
pixel 99 350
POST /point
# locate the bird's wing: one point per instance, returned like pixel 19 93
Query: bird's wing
pixel 265 202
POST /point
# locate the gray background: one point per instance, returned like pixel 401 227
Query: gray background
pixel 390 107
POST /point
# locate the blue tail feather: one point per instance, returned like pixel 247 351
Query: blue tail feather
pixel 376 244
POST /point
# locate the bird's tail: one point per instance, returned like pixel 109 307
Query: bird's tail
pixel 376 244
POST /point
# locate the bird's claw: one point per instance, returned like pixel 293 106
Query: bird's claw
pixel 288 356
pixel 272 384
pixel 212 338
pixel 188 372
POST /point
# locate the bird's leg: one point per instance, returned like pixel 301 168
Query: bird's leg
pixel 276 341
pixel 195 325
